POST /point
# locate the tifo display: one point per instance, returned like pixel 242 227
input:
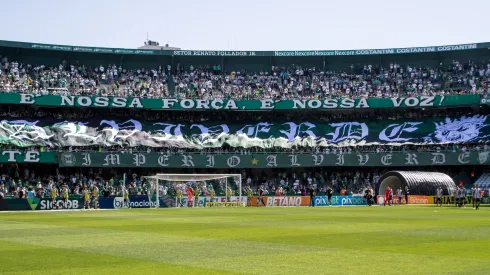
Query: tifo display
pixel 101 128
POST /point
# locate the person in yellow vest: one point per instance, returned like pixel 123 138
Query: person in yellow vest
pixel 228 194
pixel 249 196
pixel 126 198
pixel 54 195
pixel 197 192
pixel 179 196
pixel 86 197
pixel 95 196
pixel 211 194
pixel 65 194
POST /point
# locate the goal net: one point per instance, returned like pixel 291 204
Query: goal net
pixel 196 190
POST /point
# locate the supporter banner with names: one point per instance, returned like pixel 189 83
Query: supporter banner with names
pixel 239 105
pixel 17 156
pixel 115 159
pixel 460 47
pixel 50 132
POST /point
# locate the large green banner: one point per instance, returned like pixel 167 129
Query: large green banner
pixel 50 132
pixel 238 105
pixel 396 159
pixel 17 156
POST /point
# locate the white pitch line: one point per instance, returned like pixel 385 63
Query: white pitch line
pixel 55 210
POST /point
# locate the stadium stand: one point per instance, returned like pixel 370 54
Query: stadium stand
pixel 85 116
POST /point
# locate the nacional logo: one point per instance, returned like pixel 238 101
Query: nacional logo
pixel 118 203
pixel 68 159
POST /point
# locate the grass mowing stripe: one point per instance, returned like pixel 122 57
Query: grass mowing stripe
pixel 29 259
pixel 421 240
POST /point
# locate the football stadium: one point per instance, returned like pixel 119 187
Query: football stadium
pixel 167 161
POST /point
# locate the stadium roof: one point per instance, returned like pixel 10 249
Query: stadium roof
pixel 301 53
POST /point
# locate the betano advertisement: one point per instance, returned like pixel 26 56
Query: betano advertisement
pixel 280 201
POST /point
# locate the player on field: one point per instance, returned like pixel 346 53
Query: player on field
pixel 370 196
pixel 439 197
pixel 149 189
pixel 228 194
pixel 477 197
pixel 407 192
pixel 329 195
pixel 388 196
pixel 260 198
pixel 190 196
pixel 179 196
pixel 462 196
pixel 95 196
pixel 86 196
pixel 249 196
pixel 456 196
pixel 65 194
pixel 399 195
pixel 311 192
pixel 212 194
pixel 473 197
pixel 54 195
pixel 126 198
pixel 197 192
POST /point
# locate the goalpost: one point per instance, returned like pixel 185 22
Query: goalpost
pixel 202 183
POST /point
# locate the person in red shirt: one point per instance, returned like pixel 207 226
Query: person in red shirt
pixel 388 196
pixel 190 196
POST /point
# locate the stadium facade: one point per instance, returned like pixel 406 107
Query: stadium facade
pixel 52 142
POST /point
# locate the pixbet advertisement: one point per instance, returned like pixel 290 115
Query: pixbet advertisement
pixel 339 200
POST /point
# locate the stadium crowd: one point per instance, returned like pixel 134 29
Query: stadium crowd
pixel 296 81
pixel 78 79
pixel 212 82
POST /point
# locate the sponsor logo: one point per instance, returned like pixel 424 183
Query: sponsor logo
pixel 47 204
pixel 118 203
pixel 223 204
pixel 339 200
pixel 418 200
pixel 33 203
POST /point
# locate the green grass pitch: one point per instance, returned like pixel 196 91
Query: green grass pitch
pixel 348 240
